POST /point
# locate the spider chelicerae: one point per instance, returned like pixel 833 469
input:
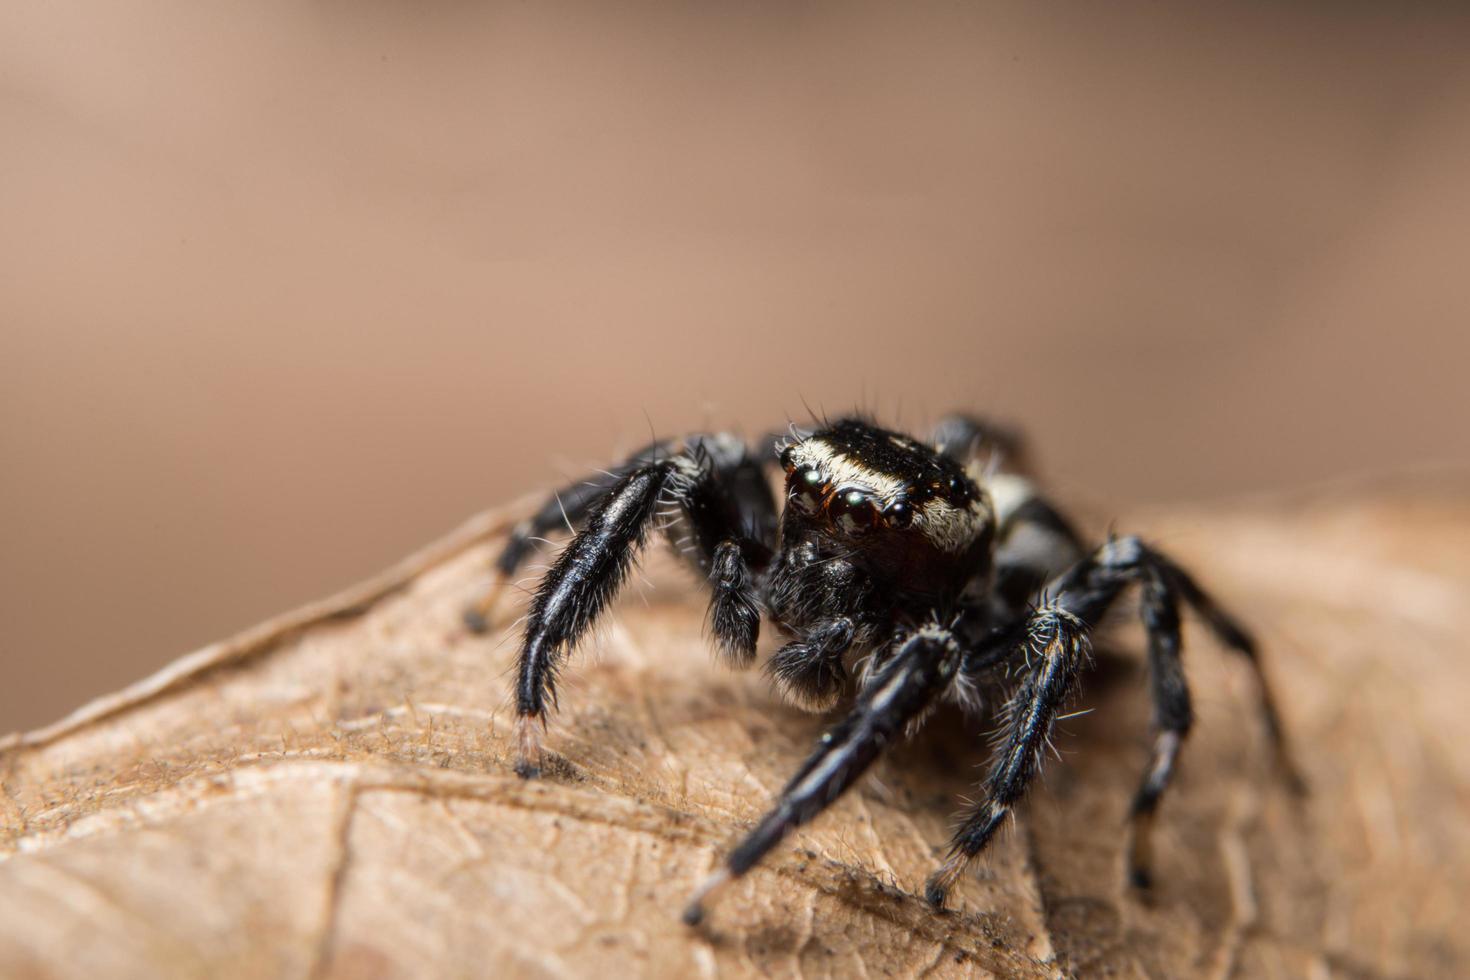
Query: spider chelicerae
pixel 926 568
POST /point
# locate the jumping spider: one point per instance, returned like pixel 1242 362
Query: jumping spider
pixel 938 563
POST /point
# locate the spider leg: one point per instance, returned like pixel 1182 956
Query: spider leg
pixel 1057 649
pixel 567 506
pixel 1033 541
pixel 739 495
pixel 1128 559
pixel 1085 592
pixel 1173 716
pixel 1089 589
pixel 590 570
pixel 965 438
pixel 907 683
pixel 581 582
pixel 731 517
pixel 1236 638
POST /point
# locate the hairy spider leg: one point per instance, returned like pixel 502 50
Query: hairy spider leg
pixel 590 570
pixel 967 438
pixel 903 688
pixel 1085 593
pixel 567 506
pixel 581 582
pixel 1056 646
pixel 731 518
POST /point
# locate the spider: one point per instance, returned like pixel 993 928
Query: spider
pixel 924 568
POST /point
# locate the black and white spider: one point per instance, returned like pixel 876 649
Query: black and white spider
pixel 937 564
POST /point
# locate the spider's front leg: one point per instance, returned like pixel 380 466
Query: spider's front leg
pixel 721 506
pixel 901 690
pixel 1057 648
pixel 567 507
pixel 581 582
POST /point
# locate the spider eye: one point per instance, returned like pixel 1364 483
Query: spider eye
pixel 898 514
pixel 959 491
pixel 787 463
pixel 852 511
pixel 806 488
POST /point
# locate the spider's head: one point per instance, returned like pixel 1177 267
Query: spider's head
pixel 913 511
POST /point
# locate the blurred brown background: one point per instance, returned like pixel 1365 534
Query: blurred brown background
pixel 288 288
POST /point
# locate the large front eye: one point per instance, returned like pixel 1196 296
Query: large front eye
pixel 806 489
pixel 852 511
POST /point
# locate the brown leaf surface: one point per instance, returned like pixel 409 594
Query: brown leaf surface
pixel 329 794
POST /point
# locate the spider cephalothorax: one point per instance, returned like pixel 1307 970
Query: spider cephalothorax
pixel 912 518
pixel 934 563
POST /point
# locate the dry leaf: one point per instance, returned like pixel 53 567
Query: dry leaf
pixel 330 795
